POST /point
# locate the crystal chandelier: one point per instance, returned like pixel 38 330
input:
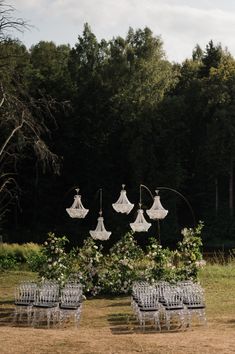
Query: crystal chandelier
pixel 100 233
pixel 123 205
pixel 157 211
pixel 140 224
pixel 77 210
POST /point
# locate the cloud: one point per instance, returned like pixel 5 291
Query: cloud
pixel 33 4
pixel 182 24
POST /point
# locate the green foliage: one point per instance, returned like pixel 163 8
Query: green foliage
pixel 113 273
pixel 7 263
pixel 36 261
pixel 127 103
pixel 190 256
pixel 86 264
pixel 125 263
pixel 13 255
pixel 162 262
pixel 57 264
pixel 119 267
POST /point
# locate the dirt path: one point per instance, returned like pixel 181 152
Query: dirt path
pixel 107 326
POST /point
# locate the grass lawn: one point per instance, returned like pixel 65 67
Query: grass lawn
pixel 107 324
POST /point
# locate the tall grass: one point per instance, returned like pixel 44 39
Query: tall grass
pixel 18 253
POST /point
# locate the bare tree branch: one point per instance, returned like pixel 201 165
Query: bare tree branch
pixel 11 136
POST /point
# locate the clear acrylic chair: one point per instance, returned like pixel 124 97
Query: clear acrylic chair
pixel 174 308
pixel 70 304
pixel 25 295
pixel 195 303
pixel 148 308
pixel 46 303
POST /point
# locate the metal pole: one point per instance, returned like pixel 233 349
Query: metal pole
pixel 186 201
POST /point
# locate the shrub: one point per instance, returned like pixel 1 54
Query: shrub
pixel 190 255
pixel 56 264
pixel 162 262
pixel 36 261
pixel 86 265
pixel 119 269
pixel 12 255
pixel 7 263
pixel 115 273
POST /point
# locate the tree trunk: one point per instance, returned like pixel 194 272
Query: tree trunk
pixel 216 196
pixel 231 188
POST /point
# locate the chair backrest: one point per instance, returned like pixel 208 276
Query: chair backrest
pixel 25 292
pixel 48 294
pixel 149 300
pixel 174 298
pixel 71 296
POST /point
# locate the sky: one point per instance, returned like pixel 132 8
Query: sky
pixel 181 24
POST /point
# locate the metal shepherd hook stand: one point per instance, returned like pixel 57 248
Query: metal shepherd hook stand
pixel 157 212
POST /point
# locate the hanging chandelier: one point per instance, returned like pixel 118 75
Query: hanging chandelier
pixel 77 210
pixel 140 224
pixel 123 205
pixel 100 233
pixel 157 211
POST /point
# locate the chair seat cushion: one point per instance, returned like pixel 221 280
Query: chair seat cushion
pixel 44 305
pixel 171 308
pixel 191 307
pixel 18 303
pixel 148 309
pixel 69 307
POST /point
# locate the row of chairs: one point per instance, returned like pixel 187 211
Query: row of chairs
pixel 48 301
pixel 163 304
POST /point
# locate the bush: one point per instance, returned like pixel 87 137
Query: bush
pixel 115 272
pixel 56 265
pixel 162 263
pixel 12 255
pixel 7 263
pixel 119 268
pixel 36 261
pixel 87 265
pixel 190 255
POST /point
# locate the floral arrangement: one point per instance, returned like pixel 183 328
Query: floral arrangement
pixel 86 265
pixel 115 272
pixel 189 253
pixel 57 262
pixel 120 266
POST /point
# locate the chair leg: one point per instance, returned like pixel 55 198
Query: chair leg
pixel 167 317
pixel 157 321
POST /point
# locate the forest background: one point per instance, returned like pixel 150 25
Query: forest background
pixel 104 113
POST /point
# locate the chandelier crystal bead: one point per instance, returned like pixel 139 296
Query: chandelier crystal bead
pixel 157 211
pixel 123 205
pixel 77 210
pixel 140 224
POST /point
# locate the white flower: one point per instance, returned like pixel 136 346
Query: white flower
pixel 200 263
pixel 184 231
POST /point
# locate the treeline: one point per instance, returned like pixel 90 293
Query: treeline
pixel 120 112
